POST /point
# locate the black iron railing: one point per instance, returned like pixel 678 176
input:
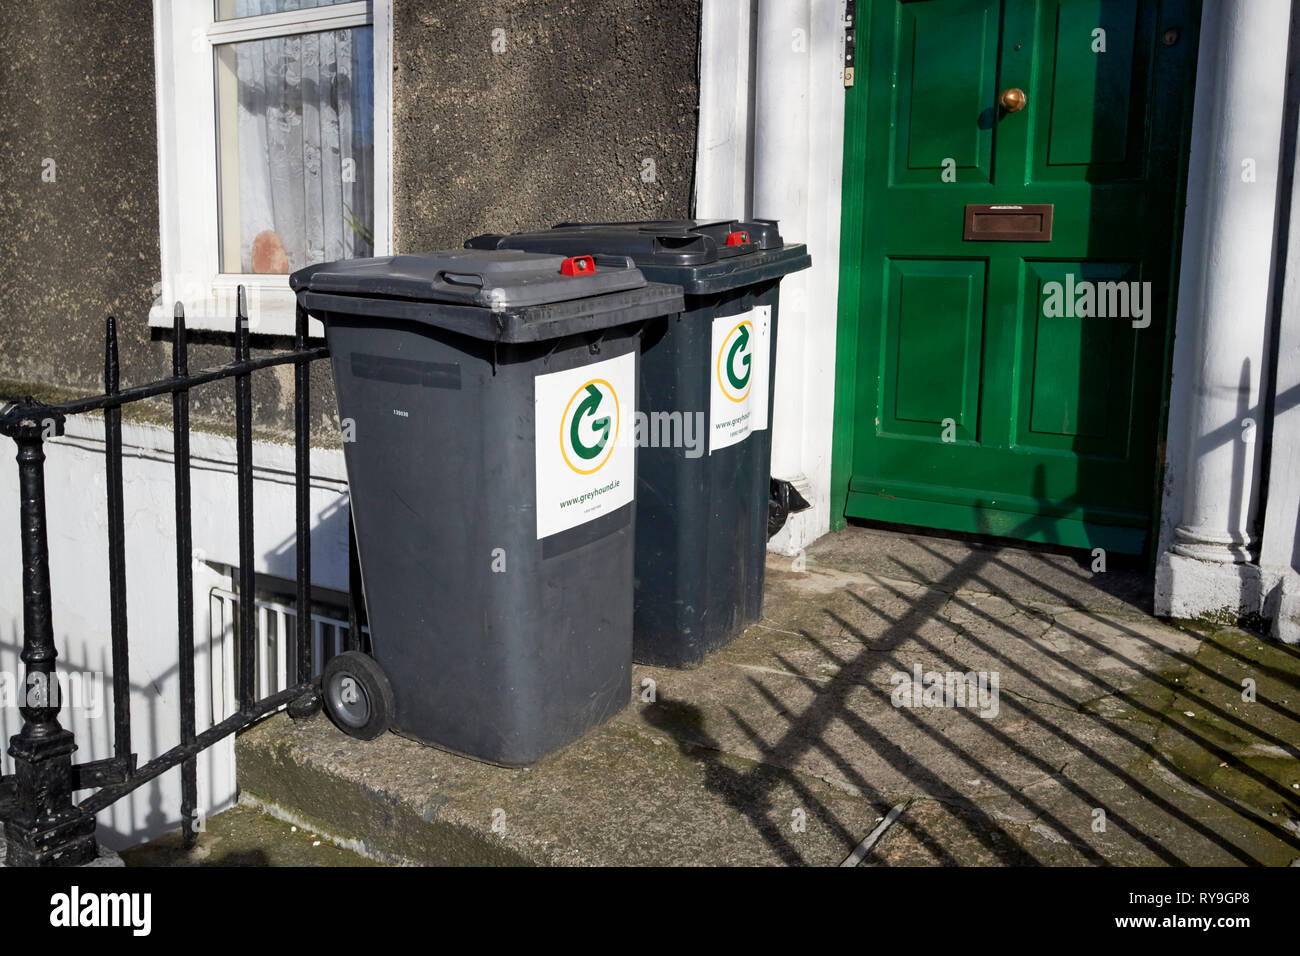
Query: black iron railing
pixel 42 824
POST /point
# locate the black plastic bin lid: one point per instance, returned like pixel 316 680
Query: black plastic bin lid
pixel 702 255
pixel 504 295
pixel 495 280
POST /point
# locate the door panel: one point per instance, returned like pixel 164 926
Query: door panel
pixel 1078 372
pixel 975 406
pixel 933 341
pixel 1100 86
pixel 948 52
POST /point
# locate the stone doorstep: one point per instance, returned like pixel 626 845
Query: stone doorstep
pixel 621 795
pixel 785 748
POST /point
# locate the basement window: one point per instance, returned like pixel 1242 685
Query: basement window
pixel 275 619
pixel 274 120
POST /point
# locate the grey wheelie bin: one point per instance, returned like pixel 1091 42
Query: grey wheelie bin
pixel 706 391
pixel 487 403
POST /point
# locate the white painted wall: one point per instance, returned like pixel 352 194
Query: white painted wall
pixel 78 542
pixel 796 137
pixel 1281 544
pixel 1280 549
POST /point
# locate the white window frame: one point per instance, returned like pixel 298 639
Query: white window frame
pixel 185 35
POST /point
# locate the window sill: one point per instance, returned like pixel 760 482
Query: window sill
pixel 272 308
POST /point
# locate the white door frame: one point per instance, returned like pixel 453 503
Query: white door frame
pixel 771 143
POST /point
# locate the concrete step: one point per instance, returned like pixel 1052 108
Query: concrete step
pixel 244 835
pixel 624 795
pixel 1109 738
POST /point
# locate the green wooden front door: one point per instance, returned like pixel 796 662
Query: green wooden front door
pixel 979 386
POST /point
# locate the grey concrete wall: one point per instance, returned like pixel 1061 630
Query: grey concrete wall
pixel 557 126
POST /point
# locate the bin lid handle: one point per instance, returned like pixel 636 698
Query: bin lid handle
pixel 461 278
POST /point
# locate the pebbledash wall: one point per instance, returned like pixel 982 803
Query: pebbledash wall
pixel 558 126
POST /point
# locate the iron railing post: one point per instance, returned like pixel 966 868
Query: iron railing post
pixel 116 552
pixel 184 570
pixel 42 825
pixel 246 638
pixel 308 704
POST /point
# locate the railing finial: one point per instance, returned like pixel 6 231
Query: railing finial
pixel 241 324
pixel 111 359
pixel 180 355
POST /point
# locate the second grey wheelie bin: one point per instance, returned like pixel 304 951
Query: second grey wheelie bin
pixel 702 509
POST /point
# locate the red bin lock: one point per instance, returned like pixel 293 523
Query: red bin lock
pixel 578 266
pixel 738 239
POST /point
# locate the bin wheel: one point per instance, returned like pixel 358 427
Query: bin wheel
pixel 358 697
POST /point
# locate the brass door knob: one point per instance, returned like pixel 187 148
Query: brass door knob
pixel 1013 100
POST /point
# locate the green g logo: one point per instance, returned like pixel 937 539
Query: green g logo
pixel 589 427
pixel 735 361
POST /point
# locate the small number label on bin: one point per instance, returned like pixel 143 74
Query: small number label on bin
pixel 738 399
pixel 585 443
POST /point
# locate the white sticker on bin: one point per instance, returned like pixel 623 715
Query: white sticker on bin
pixel 586 465
pixel 739 376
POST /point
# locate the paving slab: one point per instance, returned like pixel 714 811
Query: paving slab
pixel 1103 737
pixel 1055 576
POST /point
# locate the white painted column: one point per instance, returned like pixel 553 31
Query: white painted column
pixel 798 156
pixel 784 162
pixel 1220 367
pixel 781 192
pixel 724 161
